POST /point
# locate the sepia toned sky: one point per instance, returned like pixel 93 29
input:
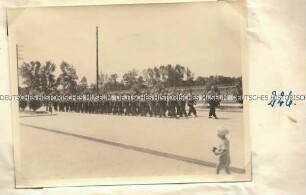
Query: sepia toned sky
pixel 203 36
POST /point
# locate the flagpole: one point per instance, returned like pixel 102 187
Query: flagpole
pixel 97 62
pixel 17 56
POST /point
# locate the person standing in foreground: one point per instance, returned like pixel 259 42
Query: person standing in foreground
pixel 223 152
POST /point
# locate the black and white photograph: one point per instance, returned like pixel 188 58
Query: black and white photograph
pixel 129 94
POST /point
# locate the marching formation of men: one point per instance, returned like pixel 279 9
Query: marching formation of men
pixel 156 108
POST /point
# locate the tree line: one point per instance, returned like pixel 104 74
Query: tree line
pixel 40 78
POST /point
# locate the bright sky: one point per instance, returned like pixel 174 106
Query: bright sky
pixel 203 36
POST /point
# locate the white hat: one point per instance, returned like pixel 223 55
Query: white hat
pixel 222 131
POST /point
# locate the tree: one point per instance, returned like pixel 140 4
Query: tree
pixel 130 78
pixel 34 104
pixel 189 77
pixel 39 78
pixel 48 81
pixel 103 78
pixel 210 82
pixel 163 73
pixel 141 82
pixel 113 78
pixel 93 87
pixel 149 76
pixel 22 104
pixel 31 72
pixel 68 78
pixel 83 85
pixel 200 80
pixel 156 74
pixel 239 87
pixel 226 80
pixel 83 82
pixel 174 74
pixel 180 72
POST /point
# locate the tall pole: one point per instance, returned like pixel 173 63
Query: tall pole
pixel 17 56
pixel 97 53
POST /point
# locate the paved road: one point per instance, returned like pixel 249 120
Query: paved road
pixel 71 145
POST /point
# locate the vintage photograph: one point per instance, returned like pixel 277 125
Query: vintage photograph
pixel 129 94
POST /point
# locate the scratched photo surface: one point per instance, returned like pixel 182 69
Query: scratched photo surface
pixel 191 49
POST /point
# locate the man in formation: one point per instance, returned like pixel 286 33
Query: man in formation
pixel 172 106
